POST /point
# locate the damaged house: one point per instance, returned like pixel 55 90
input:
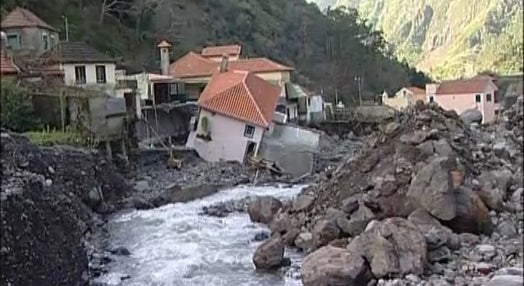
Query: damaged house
pixel 236 109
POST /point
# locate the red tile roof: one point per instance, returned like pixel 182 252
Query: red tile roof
pixel 216 51
pixel 21 17
pixel 194 65
pixel 467 86
pixel 241 95
pixel 6 64
pixel 416 90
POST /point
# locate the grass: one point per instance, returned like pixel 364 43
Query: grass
pixel 58 137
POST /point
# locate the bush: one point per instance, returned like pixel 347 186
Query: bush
pixel 16 108
pixel 53 137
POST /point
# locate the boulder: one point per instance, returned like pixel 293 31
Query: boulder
pixel 270 254
pixel 290 235
pixel 303 203
pixel 330 266
pixel 350 205
pixel 436 234
pixel 263 209
pixel 357 223
pixel 489 192
pixel 471 115
pixel 432 188
pixel 304 241
pixel 492 198
pixel 394 247
pixel 506 280
pixel 281 223
pixel 324 232
pixel 472 215
pixel 442 148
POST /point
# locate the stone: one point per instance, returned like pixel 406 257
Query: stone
pixel 333 213
pixel 358 221
pixel 507 229
pixel 394 247
pixel 506 280
pixel 414 138
pixel 303 203
pixel 502 179
pixel 281 223
pixel 270 254
pixel 499 149
pixel 432 189
pixel 371 225
pixel 263 209
pixel 122 251
pixel 350 205
pixel 324 232
pixel 436 234
pixel 486 251
pixel 516 197
pixel 492 198
pixel 469 238
pixel 304 241
pixel 442 254
pixel 94 197
pixel 330 265
pixel 436 268
pixel 263 235
pixel 470 116
pixel 142 185
pixel 391 128
pixel 289 236
pixel 442 148
pixel 471 214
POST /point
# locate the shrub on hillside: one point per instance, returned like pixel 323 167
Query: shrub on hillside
pixel 16 108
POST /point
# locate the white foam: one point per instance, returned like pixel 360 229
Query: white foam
pixel 173 245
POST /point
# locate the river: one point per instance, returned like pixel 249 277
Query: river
pixel 175 245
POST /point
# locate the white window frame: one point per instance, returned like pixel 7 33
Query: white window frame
pixel 100 80
pixel 79 80
pixel 19 41
pixel 46 41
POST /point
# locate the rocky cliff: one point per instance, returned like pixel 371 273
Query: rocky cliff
pixel 49 200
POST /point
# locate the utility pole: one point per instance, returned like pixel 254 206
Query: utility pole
pixel 358 79
pixel 66 28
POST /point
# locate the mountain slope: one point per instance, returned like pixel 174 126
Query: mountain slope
pixel 327 50
pixel 450 38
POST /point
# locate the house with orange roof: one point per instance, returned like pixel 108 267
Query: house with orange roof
pixel 196 69
pixel 464 94
pixel 405 97
pixel 8 69
pixel 236 108
pixel 27 33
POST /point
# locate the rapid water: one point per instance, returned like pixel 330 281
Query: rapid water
pixel 174 245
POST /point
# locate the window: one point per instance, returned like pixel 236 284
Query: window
pixel 249 131
pixel 477 98
pixel 431 99
pixel 52 41
pixel 13 41
pixel 100 74
pixel 488 97
pixel 80 74
pixel 45 41
pixel 495 97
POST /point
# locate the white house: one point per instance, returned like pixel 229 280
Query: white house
pixel 236 109
pixel 84 66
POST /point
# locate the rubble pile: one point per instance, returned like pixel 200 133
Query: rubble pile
pixel 428 200
pixel 50 198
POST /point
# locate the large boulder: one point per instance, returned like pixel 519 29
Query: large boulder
pixel 324 232
pixel 436 234
pixel 432 188
pixel 358 221
pixel 472 216
pixel 394 247
pixel 304 241
pixel 303 203
pixel 330 266
pixel 489 191
pixel 471 116
pixel 270 254
pixel 263 209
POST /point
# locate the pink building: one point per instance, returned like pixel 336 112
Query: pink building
pixel 460 95
pixel 236 109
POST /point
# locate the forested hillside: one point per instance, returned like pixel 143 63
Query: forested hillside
pixel 327 50
pixel 449 38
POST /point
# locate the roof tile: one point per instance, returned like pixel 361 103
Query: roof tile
pixel 241 95
pixel 6 64
pixel 21 17
pixel 77 52
pixel 467 86
pixel 215 51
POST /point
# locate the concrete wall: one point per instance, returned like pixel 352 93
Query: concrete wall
pixel 227 138
pixel 174 123
pixel 463 102
pixel 279 77
pixel 291 148
pixel 402 99
pixel 32 39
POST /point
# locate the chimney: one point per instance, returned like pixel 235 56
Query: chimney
pixel 164 56
pixel 224 63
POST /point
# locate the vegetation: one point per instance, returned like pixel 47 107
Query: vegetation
pixel 328 50
pixel 17 109
pixel 451 38
pixel 53 137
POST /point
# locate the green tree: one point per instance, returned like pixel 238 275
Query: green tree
pixel 16 108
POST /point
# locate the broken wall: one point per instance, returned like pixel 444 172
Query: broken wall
pixel 292 148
